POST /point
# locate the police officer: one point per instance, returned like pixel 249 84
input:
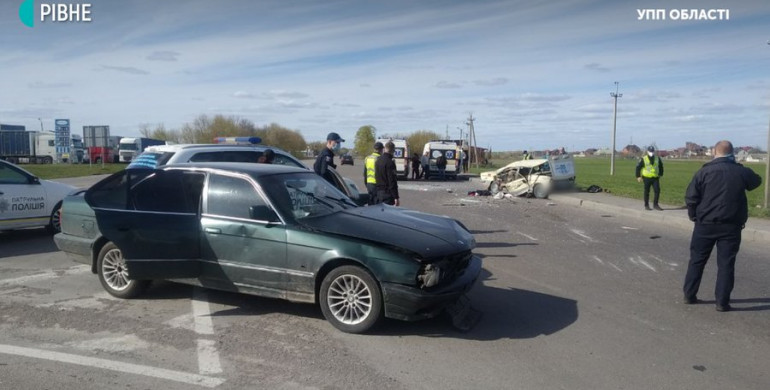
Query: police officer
pixel 526 156
pixel 369 177
pixel 650 169
pixel 716 202
pixel 325 159
pixel 385 174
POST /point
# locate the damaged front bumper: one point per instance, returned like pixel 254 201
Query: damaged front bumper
pixel 412 303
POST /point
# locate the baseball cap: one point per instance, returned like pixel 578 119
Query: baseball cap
pixel 650 149
pixel 334 137
pixel 378 145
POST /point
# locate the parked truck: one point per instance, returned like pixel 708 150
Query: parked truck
pixel 130 147
pixel 31 147
pixel 77 152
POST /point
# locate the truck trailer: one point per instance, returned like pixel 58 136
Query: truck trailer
pixel 129 147
pixel 31 147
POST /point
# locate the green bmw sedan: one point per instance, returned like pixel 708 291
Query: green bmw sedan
pixel 272 231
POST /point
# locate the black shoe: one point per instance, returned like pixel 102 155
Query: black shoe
pixel 723 308
pixel 646 207
pixel 691 301
pixel 657 208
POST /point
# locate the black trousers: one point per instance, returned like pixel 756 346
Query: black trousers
pixel 727 238
pixel 385 197
pixel 372 190
pixel 653 182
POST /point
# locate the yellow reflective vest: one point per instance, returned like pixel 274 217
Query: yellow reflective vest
pixel 650 169
pixel 369 166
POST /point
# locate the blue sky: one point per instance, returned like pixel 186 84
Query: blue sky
pixel 535 74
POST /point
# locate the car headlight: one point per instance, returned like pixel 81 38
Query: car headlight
pixel 429 275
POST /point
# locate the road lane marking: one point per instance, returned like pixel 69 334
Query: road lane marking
pixel 598 259
pixel 582 234
pixel 528 236
pixel 48 274
pixel 208 357
pixel 129 368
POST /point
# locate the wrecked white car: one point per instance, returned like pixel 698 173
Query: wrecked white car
pixel 533 177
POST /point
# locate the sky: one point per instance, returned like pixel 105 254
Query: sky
pixel 533 74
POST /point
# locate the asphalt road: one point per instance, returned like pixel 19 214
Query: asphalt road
pixel 571 299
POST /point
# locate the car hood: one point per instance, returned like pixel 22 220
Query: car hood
pixel 427 235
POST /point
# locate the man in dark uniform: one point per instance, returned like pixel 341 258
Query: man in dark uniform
pixel 716 202
pixel 650 169
pixel 326 157
pixel 385 174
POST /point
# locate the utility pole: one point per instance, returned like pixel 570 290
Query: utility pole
pixel 615 95
pixel 472 140
pixel 767 164
pixel 41 125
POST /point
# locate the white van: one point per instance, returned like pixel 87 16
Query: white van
pixel 450 151
pixel 401 156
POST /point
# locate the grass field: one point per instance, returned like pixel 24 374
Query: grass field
pixel 57 171
pixel 673 184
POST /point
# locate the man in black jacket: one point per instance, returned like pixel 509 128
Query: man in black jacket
pixel 325 159
pixel 716 202
pixel 385 174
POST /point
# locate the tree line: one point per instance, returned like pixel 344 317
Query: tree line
pixel 203 129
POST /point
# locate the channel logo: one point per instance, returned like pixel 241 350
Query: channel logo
pixel 54 12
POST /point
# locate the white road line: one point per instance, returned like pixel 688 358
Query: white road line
pixel 129 368
pixel 598 259
pixel 629 228
pixel 48 274
pixel 528 236
pixel 616 267
pixel 581 234
pixel 208 357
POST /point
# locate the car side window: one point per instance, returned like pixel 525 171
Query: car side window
pixel 173 191
pixel 112 192
pixel 285 160
pixel 249 156
pixel 8 175
pixel 230 196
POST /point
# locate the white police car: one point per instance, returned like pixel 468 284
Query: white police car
pixel 26 201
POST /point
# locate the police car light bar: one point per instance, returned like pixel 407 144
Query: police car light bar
pixel 237 140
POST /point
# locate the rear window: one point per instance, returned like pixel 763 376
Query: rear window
pixel 150 160
pixel 448 154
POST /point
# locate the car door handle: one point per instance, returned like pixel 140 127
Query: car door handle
pixel 212 230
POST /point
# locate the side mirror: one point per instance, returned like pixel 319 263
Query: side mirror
pixel 34 180
pixel 263 213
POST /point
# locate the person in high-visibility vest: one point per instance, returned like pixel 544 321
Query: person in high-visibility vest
pixel 526 156
pixel 369 178
pixel 649 170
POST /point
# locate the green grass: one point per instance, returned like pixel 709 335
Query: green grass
pixel 58 171
pixel 673 184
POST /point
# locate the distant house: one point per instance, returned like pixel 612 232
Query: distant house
pixel 631 151
pixel 603 152
pixel 757 157
pixel 742 155
pixel 590 151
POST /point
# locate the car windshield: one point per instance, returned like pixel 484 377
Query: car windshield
pixel 304 195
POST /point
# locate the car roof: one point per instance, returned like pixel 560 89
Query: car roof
pixel 253 169
pixel 178 147
pixel 525 164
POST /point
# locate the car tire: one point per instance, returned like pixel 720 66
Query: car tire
pixel 540 191
pixel 47 160
pixel 54 224
pixel 350 299
pixel 111 269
